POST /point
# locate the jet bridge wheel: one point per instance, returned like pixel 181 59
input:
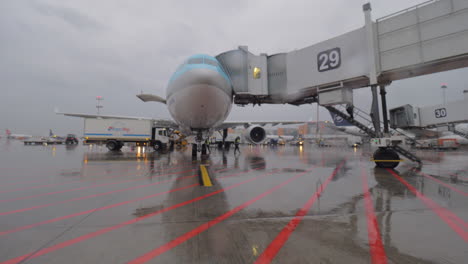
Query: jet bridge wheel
pixel 386 158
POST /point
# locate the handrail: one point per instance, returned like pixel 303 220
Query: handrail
pixel 406 10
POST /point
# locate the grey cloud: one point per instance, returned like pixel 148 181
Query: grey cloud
pixel 71 16
pixel 64 53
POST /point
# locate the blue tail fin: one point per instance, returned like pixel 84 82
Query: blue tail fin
pixel 339 121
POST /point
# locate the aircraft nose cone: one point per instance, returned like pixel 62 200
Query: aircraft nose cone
pixel 207 77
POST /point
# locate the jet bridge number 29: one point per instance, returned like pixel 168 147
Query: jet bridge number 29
pixel 329 59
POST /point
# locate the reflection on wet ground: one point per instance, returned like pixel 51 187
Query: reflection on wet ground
pixel 286 204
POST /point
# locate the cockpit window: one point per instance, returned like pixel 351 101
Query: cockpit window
pixel 195 61
pixel 211 62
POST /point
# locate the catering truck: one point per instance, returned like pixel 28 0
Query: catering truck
pixel 115 132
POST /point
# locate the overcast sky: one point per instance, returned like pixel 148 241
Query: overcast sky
pixel 65 53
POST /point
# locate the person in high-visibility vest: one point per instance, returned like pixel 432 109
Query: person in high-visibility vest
pixel 236 144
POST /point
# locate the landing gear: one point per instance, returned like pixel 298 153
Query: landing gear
pixel 203 150
pixel 386 158
pixel 194 150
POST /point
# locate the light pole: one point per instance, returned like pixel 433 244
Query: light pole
pixel 443 87
pixel 98 104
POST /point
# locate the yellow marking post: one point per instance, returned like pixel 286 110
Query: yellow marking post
pixel 205 177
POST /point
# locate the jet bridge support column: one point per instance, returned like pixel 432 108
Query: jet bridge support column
pixel 375 115
pixel 383 99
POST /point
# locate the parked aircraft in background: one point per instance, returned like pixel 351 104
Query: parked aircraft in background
pixel 199 98
pixel 16 136
pixel 53 136
pixel 344 126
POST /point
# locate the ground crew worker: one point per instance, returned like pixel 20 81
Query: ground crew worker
pixel 207 144
pixel 236 143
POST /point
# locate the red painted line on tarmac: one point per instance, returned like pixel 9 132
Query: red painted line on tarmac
pixel 174 166
pixel 111 228
pixel 92 210
pixel 377 250
pixel 95 195
pixel 278 242
pixel 106 207
pixel 179 240
pixel 84 188
pixel 83 181
pixel 90 196
pixel 443 183
pixel 452 220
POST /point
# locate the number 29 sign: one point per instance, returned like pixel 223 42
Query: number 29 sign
pixel 329 59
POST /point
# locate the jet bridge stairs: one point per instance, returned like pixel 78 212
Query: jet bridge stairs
pixel 458 132
pixel 383 158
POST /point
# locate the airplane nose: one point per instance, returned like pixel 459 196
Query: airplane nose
pixel 207 77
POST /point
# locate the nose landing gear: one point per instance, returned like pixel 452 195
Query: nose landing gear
pixel 199 146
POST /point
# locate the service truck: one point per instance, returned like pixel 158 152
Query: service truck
pixel 115 132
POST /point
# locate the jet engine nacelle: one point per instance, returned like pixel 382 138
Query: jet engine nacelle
pixel 255 134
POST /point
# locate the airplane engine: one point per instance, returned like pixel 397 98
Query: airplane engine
pixel 255 134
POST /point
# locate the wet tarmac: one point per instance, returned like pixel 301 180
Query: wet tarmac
pixel 81 204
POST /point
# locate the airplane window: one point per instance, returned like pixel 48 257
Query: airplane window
pixel 195 61
pixel 211 62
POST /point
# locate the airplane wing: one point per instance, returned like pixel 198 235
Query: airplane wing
pixel 233 124
pixel 103 116
pixel 151 98
pixel 157 122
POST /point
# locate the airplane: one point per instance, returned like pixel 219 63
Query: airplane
pixel 416 133
pixel 199 98
pixel 54 137
pixel 459 139
pixel 346 127
pixel 16 136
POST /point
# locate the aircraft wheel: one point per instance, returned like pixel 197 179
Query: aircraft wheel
pixel 203 150
pixel 386 154
pixel 194 150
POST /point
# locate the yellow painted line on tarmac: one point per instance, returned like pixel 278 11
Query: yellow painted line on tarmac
pixel 205 177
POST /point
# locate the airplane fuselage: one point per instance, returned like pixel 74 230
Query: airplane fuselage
pixel 199 94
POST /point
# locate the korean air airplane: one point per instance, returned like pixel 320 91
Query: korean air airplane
pixel 199 98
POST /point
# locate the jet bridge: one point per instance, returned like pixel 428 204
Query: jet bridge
pixel 427 38
pixel 440 115
pixel 424 39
